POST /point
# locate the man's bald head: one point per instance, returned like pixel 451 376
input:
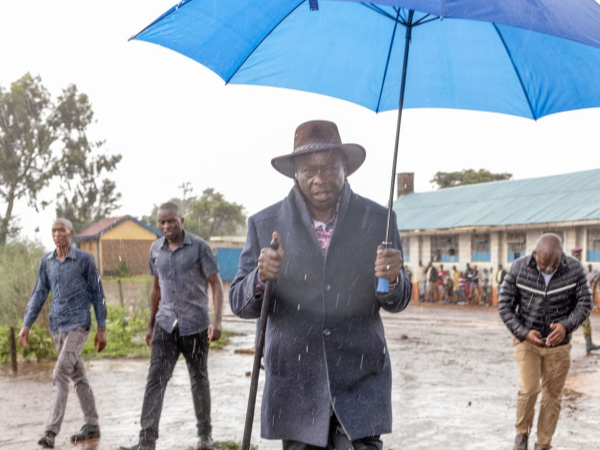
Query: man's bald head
pixel 548 252
pixel 66 222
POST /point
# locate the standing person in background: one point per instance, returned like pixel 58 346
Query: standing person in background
pixel 449 287
pixel 469 273
pixel 461 297
pixel 432 282
pixel 455 277
pixel 475 291
pixel 544 298
pixel 500 275
pixel 442 274
pixel 586 327
pixel 486 298
pixel 71 275
pixel 422 280
pixel 183 267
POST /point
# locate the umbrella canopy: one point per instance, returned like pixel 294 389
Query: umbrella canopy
pixel 526 58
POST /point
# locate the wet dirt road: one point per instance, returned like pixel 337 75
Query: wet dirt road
pixel 454 377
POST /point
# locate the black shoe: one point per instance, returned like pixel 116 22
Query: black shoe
pixel 47 440
pixel 521 442
pixel 86 433
pixel 205 442
pixel 141 446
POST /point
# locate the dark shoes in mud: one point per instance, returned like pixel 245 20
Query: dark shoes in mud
pixel 521 442
pixel 86 433
pixel 150 445
pixel 47 440
pixel 205 442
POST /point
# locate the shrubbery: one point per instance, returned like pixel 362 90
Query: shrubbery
pixel 19 264
pixel 125 331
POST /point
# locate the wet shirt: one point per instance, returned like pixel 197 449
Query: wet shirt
pixel 75 287
pixel 183 278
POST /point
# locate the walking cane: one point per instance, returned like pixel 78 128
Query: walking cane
pixel 260 344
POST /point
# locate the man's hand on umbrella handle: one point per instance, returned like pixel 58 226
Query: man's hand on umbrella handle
pixel 100 339
pixel 23 336
pixel 535 337
pixel 388 263
pixel 269 261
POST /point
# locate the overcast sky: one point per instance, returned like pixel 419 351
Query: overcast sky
pixel 173 120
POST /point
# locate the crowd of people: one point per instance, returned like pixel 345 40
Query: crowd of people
pixel 470 286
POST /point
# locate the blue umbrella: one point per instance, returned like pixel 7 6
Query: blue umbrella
pixel 528 58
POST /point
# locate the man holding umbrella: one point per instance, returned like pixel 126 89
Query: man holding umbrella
pixel 328 373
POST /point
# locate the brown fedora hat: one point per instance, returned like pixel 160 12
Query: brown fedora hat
pixel 319 136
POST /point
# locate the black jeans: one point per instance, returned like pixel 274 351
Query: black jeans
pixel 166 349
pixel 338 441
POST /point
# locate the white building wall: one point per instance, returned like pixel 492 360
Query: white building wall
pixel 464 250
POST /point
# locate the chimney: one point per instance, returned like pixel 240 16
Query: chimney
pixel 406 183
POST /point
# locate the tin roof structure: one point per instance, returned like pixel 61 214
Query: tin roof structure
pixel 571 197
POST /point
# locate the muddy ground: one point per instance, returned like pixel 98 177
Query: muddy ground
pixel 455 387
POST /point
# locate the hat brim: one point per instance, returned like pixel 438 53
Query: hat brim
pixel 355 156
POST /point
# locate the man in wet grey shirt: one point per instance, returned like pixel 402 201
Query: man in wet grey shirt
pixel 70 274
pixel 183 266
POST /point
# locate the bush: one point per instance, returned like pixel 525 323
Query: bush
pixel 123 270
pixel 19 264
pixel 126 335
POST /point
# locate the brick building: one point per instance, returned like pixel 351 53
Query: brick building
pixel 118 241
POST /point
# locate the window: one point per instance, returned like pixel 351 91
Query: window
pixel 405 248
pixel 480 248
pixel 444 248
pixel 515 246
pixel 593 245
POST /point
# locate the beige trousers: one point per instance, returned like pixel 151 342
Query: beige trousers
pixel 541 369
pixel 69 366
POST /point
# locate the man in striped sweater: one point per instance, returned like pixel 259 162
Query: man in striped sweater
pixel 545 297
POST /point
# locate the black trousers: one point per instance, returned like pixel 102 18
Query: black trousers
pixel 338 441
pixel 166 349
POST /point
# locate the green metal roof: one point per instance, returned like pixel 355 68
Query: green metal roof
pixel 559 198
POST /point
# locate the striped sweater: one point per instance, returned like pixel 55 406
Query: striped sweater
pixel 526 303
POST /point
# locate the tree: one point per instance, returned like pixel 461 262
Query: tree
pixel 42 140
pixel 467 176
pixel 82 201
pixel 206 216
pixel 211 215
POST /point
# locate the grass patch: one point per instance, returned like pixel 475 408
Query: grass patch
pixel 125 332
pixel 132 279
pixel 230 445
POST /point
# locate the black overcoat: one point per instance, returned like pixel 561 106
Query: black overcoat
pixel 325 343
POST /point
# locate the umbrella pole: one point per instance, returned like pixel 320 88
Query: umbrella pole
pixel 383 283
pixel 260 345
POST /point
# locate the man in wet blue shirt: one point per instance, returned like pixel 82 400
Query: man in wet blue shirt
pixel 71 275
pixel 183 266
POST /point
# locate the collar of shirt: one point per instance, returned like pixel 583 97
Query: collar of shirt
pixel 547 277
pixel 324 231
pixel 187 240
pixel 70 255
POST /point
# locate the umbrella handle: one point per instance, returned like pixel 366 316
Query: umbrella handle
pixel 383 285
